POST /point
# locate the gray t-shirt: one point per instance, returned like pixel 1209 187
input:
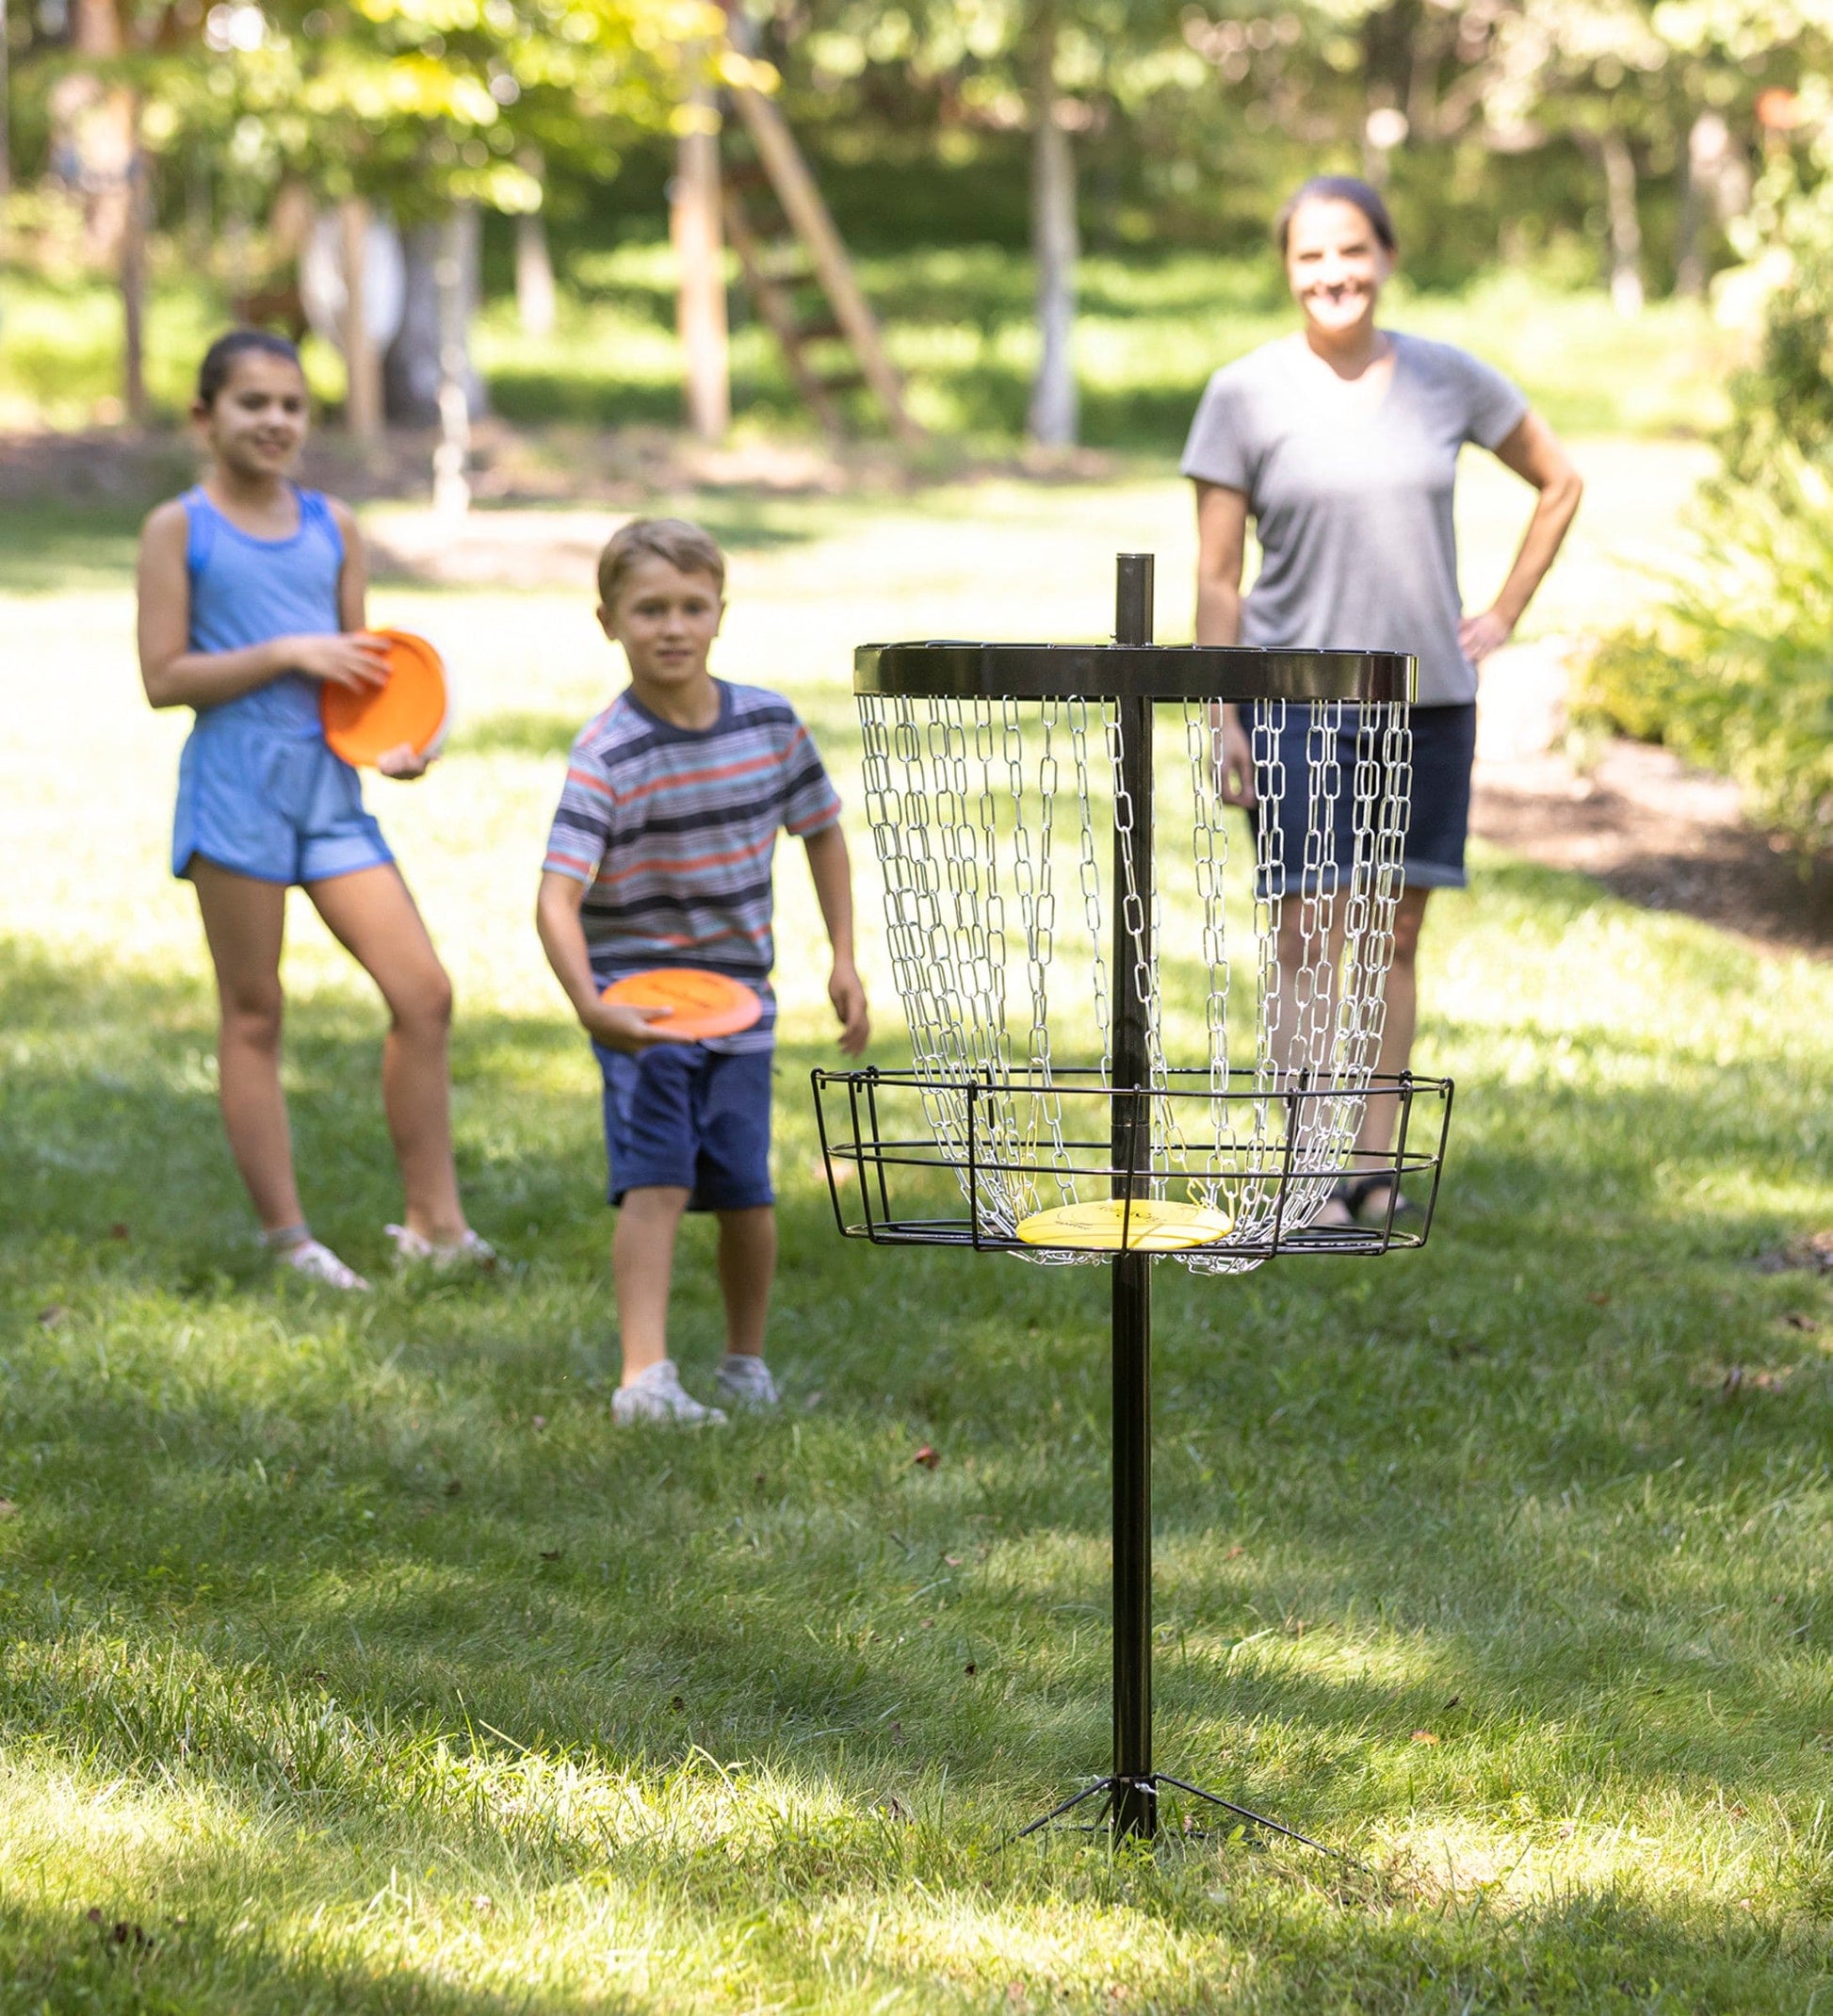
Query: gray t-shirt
pixel 1353 510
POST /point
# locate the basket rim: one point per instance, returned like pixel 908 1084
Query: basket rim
pixel 951 669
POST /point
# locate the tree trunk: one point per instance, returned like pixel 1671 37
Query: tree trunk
pixel 1710 194
pixel 100 122
pixel 694 225
pixel 363 406
pixel 413 369
pixel 456 274
pixel 133 287
pixel 1052 420
pixel 5 117
pixel 1625 223
pixel 535 305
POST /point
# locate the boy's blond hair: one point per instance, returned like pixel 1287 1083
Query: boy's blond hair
pixel 686 546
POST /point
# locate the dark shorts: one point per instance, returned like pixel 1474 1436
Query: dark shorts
pixel 678 1115
pixel 1438 796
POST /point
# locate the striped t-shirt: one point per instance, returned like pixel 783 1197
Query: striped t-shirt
pixel 672 831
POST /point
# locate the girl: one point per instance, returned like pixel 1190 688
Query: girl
pixel 1342 443
pixel 250 597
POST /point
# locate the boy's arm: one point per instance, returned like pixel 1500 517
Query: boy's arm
pixel 174 675
pixel 563 940
pixel 833 876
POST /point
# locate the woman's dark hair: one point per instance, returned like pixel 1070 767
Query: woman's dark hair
pixel 1336 188
pixel 220 359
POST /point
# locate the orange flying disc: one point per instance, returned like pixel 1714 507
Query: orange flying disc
pixel 364 728
pixel 701 1003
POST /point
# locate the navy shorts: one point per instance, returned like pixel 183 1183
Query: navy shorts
pixel 1439 800
pixel 682 1116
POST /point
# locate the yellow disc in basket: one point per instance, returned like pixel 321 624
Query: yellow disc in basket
pixel 1152 1225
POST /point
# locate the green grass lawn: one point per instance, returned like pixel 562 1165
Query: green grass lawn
pixel 351 1660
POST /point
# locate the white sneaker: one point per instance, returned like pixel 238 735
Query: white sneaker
pixel 745 1381
pixel 657 1395
pixel 320 1266
pixel 414 1249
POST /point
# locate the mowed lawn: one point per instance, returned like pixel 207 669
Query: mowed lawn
pixel 352 1661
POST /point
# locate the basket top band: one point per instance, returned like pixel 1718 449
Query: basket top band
pixel 950 671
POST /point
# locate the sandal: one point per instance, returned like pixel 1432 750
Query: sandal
pixel 1354 1192
pixel 468 1253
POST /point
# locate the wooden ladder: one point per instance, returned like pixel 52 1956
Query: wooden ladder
pixel 798 249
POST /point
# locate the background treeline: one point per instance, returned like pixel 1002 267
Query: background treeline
pixel 1058 207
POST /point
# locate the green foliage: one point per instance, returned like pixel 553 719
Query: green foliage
pixel 1782 412
pixel 1736 671
pixel 1151 329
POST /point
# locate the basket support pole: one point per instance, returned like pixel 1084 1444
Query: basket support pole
pixel 1133 1803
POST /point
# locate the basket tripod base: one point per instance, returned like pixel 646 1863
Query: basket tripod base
pixel 1132 1809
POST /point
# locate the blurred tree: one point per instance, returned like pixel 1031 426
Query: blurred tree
pixel 417 106
pixel 1051 69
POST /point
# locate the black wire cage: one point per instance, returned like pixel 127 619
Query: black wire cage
pixel 893 1182
pixel 1175 1054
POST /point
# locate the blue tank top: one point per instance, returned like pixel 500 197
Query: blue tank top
pixel 245 589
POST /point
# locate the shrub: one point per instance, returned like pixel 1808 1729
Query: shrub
pixel 1734 672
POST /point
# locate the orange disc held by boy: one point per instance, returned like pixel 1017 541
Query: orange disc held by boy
pixel 701 1004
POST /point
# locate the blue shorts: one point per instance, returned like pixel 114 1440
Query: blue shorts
pixel 274 808
pixel 682 1116
pixel 1439 800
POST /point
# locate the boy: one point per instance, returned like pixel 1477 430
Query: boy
pixel 660 855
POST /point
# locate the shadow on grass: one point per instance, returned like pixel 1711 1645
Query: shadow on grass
pixel 1491 1491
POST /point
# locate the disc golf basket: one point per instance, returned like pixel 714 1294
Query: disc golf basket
pixel 1105 1069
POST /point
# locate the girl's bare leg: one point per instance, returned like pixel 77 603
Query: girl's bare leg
pixel 373 916
pixel 244 921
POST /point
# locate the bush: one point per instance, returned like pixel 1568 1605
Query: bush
pixel 1735 671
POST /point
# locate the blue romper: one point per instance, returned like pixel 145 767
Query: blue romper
pixel 259 793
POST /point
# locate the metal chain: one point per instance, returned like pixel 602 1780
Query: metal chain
pixel 939 776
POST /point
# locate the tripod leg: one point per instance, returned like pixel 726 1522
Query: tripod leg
pixel 1247 1813
pixel 1075 1799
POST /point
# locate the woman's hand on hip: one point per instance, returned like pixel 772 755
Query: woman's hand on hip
pixel 1478 636
pixel 1234 758
pixel 354 659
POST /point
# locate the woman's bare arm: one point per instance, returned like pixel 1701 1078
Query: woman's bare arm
pixel 1220 552
pixel 1534 452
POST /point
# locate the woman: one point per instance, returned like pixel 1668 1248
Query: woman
pixel 1342 443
